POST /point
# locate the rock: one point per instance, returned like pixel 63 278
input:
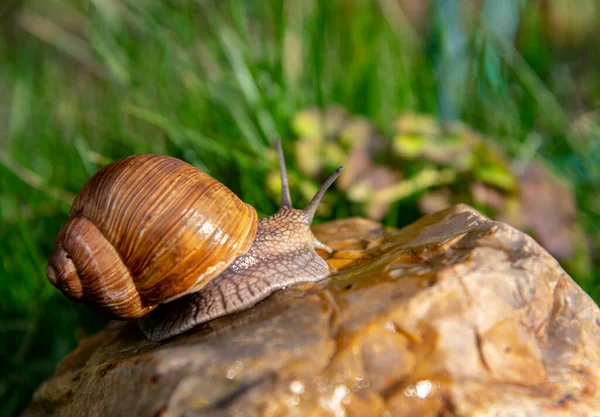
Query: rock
pixel 454 315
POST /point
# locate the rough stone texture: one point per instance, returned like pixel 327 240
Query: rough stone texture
pixel 454 315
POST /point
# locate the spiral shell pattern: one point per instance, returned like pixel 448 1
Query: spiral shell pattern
pixel 145 230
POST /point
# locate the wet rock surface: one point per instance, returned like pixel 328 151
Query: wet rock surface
pixel 454 315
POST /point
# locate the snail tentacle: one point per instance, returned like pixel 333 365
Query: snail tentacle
pixel 310 210
pixel 286 199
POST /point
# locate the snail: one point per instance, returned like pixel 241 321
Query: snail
pixel 153 238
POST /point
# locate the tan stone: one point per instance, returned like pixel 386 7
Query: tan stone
pixel 454 315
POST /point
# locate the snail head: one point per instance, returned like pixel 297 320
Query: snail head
pixel 293 224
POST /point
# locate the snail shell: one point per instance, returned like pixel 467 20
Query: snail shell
pixel 145 230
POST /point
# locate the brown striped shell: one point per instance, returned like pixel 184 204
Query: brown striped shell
pixel 145 230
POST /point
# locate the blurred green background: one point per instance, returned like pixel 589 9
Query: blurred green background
pixel 426 103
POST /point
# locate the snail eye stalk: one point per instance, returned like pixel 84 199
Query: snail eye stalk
pixel 310 210
pixel 286 200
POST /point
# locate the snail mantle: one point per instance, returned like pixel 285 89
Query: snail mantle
pixel 454 315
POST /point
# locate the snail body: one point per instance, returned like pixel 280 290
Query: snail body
pixel 154 238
